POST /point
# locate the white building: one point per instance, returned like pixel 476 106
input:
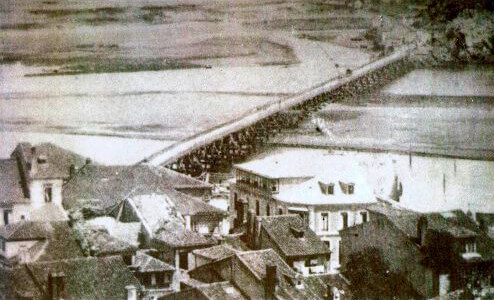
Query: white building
pixel 31 182
pixel 328 194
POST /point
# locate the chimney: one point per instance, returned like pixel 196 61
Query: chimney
pixel 270 282
pixel 131 292
pixel 422 230
pixel 56 283
pixel 34 162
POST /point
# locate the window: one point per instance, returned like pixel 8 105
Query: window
pixel 48 192
pixel 6 214
pixel 470 247
pixel 3 245
pixel 327 243
pixel 344 219
pixel 330 189
pixel 257 208
pixel 311 262
pixel 280 211
pixel 268 210
pixel 363 214
pixel 325 221
pixel 351 188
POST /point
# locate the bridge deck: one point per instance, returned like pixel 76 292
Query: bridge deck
pixel 184 147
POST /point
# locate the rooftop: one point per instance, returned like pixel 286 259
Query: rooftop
pixel 53 161
pixel 146 263
pixel 26 230
pixel 103 243
pixel 112 184
pixel 85 278
pixel 176 236
pixel 214 253
pixel 125 231
pixel 256 262
pixel 220 290
pixel 10 184
pixel 281 228
pixel 311 192
pixel 279 165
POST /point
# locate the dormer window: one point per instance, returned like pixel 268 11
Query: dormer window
pixel 42 159
pixel 351 188
pixel 326 189
pixel 297 233
pixel 347 188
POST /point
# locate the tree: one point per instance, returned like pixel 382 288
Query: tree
pixel 371 278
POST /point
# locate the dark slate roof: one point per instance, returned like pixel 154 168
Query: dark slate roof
pixel 10 184
pixel 6 283
pixel 177 236
pixel 85 278
pixel 438 222
pixel 26 230
pixel 112 184
pixel 281 229
pixel 216 252
pixel 146 263
pixel 58 160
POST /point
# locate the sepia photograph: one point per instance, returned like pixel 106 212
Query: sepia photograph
pixel 246 149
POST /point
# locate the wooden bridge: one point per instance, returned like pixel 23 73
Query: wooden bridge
pixel 217 148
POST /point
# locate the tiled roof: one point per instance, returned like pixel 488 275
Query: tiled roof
pixel 280 231
pixel 111 184
pixel 48 212
pixel 190 206
pixel 26 230
pixel 256 262
pixel 10 184
pixel 177 236
pixel 146 263
pixel 405 220
pixel 156 210
pixel 127 232
pixel 85 278
pixel 105 244
pixel 58 160
pixel 216 252
pixel 220 290
pixel 61 244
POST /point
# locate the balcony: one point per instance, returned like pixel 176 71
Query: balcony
pixel 252 189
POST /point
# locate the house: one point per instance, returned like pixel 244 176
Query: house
pixel 435 252
pixel 78 278
pixel 31 181
pixel 257 181
pixel 328 204
pixel 293 240
pixel 263 274
pixel 175 245
pixel 208 291
pixel 156 277
pixel 28 241
pixel 208 255
pixel 112 184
